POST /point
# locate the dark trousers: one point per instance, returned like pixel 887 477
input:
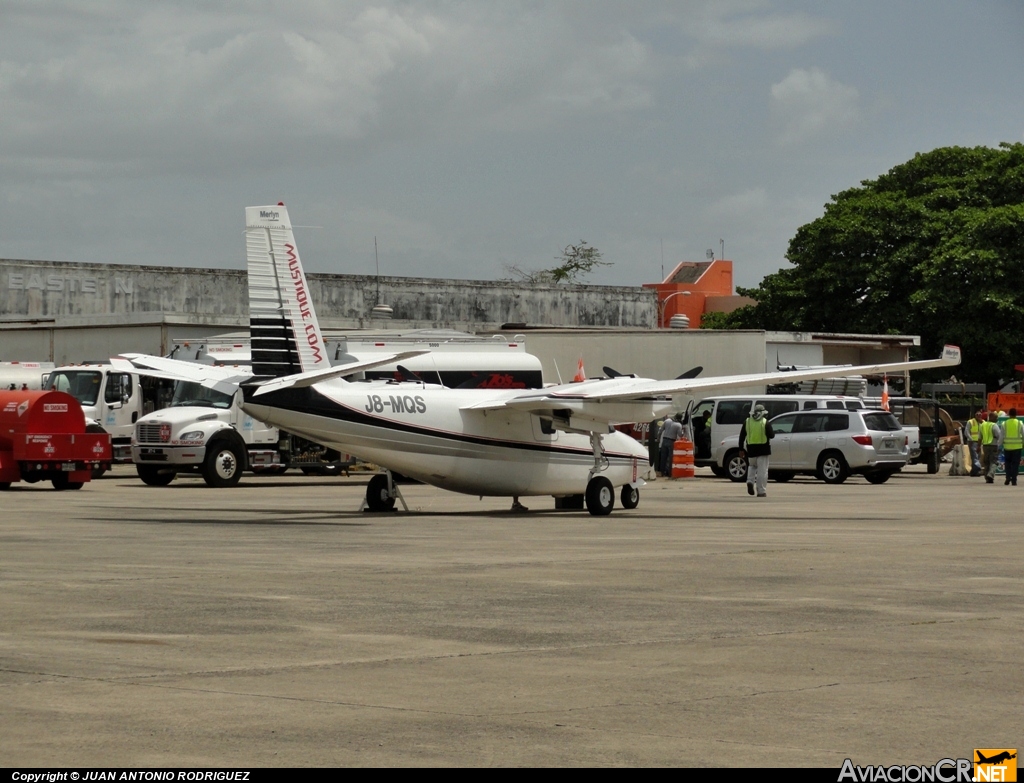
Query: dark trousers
pixel 989 458
pixel 1012 463
pixel 665 457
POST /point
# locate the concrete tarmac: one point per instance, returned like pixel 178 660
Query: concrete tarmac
pixel 274 625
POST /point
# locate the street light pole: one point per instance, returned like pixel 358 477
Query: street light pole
pixel 663 302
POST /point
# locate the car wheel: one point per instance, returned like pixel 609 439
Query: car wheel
pixel 878 476
pixel 378 498
pixel 781 476
pixel 630 496
pixel 719 471
pixel 832 467
pixel 600 496
pixel 224 464
pixel 154 477
pixel 736 466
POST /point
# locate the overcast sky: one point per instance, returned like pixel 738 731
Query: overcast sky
pixel 471 136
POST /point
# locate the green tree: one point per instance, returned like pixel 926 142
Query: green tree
pixel 577 262
pixel 934 247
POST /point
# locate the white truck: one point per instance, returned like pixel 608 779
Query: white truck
pixel 112 399
pixel 206 431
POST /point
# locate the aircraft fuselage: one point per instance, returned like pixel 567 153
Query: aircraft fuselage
pixel 430 433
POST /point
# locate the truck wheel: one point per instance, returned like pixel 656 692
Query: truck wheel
pixel 61 483
pixel 932 459
pixel 224 464
pixel 600 496
pixel 271 470
pixel 377 496
pixel 4 486
pixel 154 477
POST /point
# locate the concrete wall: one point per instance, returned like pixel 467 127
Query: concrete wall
pixel 57 290
pixel 73 344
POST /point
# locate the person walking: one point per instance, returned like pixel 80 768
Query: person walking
pixel 755 440
pixel 672 429
pixel 991 437
pixel 972 434
pixel 1013 442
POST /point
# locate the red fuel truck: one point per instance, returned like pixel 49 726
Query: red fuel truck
pixel 43 437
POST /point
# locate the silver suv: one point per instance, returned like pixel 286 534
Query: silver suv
pixel 830 445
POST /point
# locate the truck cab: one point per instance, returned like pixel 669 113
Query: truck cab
pixel 202 430
pixel 111 399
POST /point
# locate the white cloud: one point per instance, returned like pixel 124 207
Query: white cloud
pixel 725 25
pixel 159 81
pixel 808 103
pixel 721 26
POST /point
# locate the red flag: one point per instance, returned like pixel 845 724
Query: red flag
pixel 885 392
pixel 580 374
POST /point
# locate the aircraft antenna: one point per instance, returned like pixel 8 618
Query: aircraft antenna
pixel 557 373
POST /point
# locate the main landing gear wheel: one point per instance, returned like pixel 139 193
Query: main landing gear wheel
pixel 600 496
pixel 378 494
pixel 630 496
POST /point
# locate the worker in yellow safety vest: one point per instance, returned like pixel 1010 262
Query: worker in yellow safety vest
pixel 1013 442
pixel 754 442
pixel 991 437
pixel 972 434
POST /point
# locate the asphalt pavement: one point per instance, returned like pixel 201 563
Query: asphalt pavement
pixel 273 624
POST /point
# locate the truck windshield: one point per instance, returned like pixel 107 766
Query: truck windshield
pixel 83 386
pixel 190 393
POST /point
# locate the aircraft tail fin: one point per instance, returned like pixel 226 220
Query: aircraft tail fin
pixel 284 331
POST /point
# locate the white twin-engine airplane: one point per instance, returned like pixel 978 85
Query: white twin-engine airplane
pixel 554 441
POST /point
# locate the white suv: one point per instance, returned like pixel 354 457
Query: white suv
pixel 830 445
pixel 728 413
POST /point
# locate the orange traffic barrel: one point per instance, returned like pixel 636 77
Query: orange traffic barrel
pixel 682 459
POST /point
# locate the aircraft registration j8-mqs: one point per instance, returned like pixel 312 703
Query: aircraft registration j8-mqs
pixel 556 441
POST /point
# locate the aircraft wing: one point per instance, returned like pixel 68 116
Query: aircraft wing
pixel 223 379
pixel 596 404
pixel 227 379
pixel 303 379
